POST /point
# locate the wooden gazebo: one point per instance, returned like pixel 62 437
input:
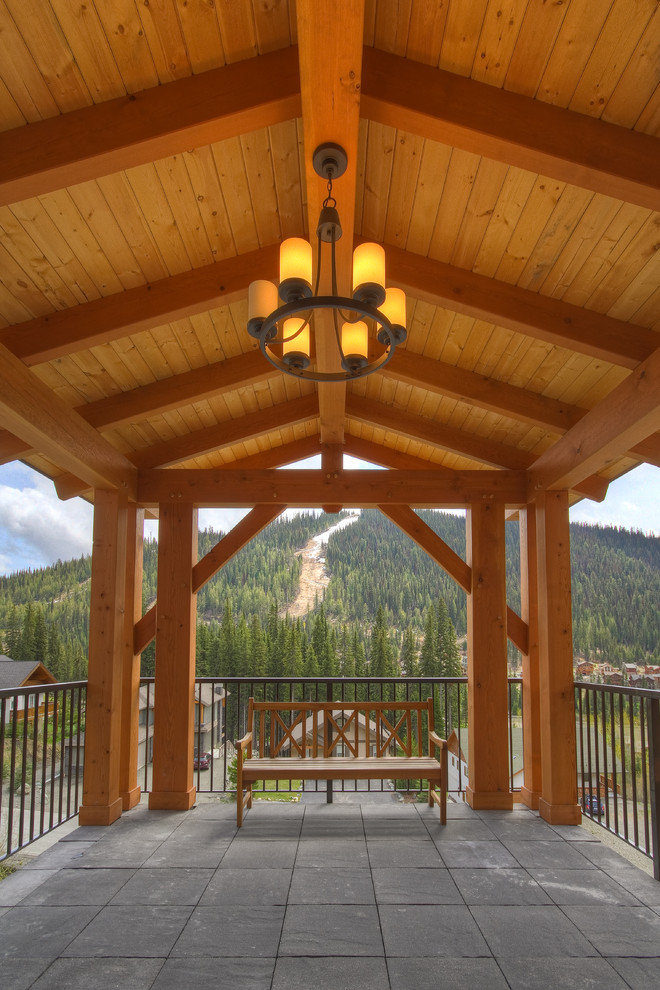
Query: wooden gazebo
pixel 153 158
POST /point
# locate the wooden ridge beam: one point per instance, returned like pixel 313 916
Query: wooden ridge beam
pixel 526 312
pixel 629 414
pixel 310 488
pixel 32 412
pixel 151 124
pixel 511 128
pixel 230 432
pixel 143 308
pixel 330 86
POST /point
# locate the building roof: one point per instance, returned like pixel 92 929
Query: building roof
pixel 153 162
pixel 22 673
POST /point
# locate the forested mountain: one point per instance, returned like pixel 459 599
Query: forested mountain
pixel 386 602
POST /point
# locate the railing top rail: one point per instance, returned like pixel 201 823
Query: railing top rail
pixel 619 689
pixel 34 688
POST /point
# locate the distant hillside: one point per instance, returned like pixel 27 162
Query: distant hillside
pixel 373 565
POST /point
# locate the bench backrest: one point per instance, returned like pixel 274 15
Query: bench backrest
pixel 312 729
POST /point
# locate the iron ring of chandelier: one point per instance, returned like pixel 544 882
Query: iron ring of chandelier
pixel 388 335
pixel 384 307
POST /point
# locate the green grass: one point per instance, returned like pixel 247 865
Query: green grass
pixel 268 793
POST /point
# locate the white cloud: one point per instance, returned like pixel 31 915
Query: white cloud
pixel 36 528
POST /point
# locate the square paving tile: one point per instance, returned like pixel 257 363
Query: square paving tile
pixel 297 973
pixel 101 974
pixel 520 829
pixel 131 931
pixel 263 886
pixel 253 854
pixel 639 974
pixel 20 973
pixel 331 930
pixel 561 974
pixel 535 854
pixel 78 887
pixel 194 854
pixel 480 855
pixel 582 887
pixel 232 930
pixel 332 853
pixel 385 853
pixel 18 885
pixel 619 931
pixel 178 886
pixel 41 932
pixel 208 971
pixel 457 974
pixel 336 885
pixel 507 886
pixel 59 855
pixel 472 829
pixel 430 930
pixel 323 828
pixel 531 932
pixel 415 886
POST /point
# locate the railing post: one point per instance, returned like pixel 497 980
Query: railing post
pixel 654 767
pixel 329 783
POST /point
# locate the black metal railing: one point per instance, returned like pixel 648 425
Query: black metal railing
pixel 618 762
pixel 41 746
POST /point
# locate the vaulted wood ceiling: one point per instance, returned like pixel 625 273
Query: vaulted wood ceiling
pixel 154 155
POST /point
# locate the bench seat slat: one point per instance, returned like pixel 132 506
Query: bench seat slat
pixel 340 767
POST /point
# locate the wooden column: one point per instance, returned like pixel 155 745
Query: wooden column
pixel 558 802
pixel 531 789
pixel 488 737
pixel 130 692
pixel 174 699
pixel 101 804
pixel 332 464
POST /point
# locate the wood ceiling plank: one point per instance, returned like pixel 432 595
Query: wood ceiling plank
pixel 405 174
pixel 184 207
pixel 637 84
pixel 575 42
pixel 500 29
pixel 388 457
pixel 481 204
pixel 118 194
pixel 272 24
pixel 278 456
pixel 426 31
pixel 307 489
pixel 458 183
pixel 83 30
pixel 169 119
pixel 330 87
pixel 462 30
pixel 137 309
pixel 200 32
pixel 288 178
pixel 129 44
pixel 516 190
pixel 428 194
pixel 511 128
pixel 258 161
pixel 377 177
pixel 534 45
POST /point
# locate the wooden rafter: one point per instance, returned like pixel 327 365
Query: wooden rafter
pixel 493 301
pixel 33 413
pixel 305 488
pixel 387 457
pixel 230 432
pixel 511 128
pixel 154 123
pixel 143 308
pixel 629 414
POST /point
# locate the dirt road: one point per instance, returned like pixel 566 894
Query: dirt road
pixel 314 577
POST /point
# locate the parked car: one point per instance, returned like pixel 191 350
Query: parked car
pixel 202 761
pixel 593 806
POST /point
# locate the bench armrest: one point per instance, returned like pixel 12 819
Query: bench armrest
pixel 245 741
pixel 436 740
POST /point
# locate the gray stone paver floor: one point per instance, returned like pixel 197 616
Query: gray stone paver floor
pixel 373 895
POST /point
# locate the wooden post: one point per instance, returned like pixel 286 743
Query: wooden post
pixel 531 789
pixel 558 802
pixel 174 699
pixel 332 464
pixel 101 804
pixel 488 738
pixel 130 692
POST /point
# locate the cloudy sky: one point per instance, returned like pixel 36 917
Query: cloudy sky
pixel 36 529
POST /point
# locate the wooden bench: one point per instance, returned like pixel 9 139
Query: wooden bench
pixel 341 740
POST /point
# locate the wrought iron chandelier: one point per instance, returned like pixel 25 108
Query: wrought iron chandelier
pixel 283 329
